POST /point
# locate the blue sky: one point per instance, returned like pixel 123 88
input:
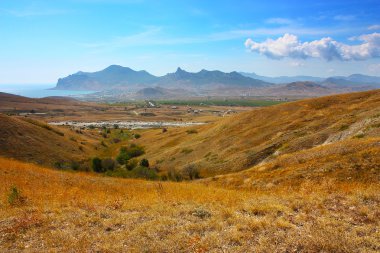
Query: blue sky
pixel 41 41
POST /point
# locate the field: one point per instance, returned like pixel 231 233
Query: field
pixel 61 211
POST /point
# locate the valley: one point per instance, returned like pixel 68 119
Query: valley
pixel 198 177
pixel 143 126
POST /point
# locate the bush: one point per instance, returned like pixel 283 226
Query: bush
pixel 191 131
pixel 74 165
pixel 131 164
pixel 126 154
pixel 137 136
pixel 186 151
pixel 144 172
pixel 144 162
pixel 191 171
pixel 97 165
pixel 108 164
pixel 58 165
pixel 174 175
pixel 116 126
pixel 15 197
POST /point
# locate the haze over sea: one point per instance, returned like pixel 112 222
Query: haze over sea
pixel 39 90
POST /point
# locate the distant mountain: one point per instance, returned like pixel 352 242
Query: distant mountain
pixel 151 92
pixel 208 79
pixel 347 82
pixel 283 79
pixel 112 77
pixel 300 89
pixel 362 79
pixel 121 77
pixel 160 93
pixel 117 80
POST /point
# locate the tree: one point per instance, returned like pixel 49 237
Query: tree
pixel 191 171
pixel 131 164
pixel 97 165
pixel 108 164
pixel 144 162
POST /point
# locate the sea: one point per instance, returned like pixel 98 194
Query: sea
pixel 40 90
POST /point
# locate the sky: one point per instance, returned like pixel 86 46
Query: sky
pixel 43 40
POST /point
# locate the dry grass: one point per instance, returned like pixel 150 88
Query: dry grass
pixel 247 139
pixel 348 161
pixel 74 212
pixel 35 141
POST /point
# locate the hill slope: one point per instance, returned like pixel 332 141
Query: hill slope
pixel 34 141
pixel 44 210
pixel 242 141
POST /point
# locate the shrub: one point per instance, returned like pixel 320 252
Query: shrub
pixel 15 197
pixel 91 127
pixel 116 126
pixel 144 162
pixel 108 164
pixel 186 151
pixel 137 136
pixel 58 165
pixel 74 165
pixel 122 157
pixel 191 131
pixel 191 171
pixel 97 165
pixel 131 164
pixel 126 154
pixel 359 136
pixel 144 172
pixel 135 151
pixel 174 175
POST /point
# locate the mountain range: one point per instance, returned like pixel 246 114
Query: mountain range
pixel 143 84
pixel 116 76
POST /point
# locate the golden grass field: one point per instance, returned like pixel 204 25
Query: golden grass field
pixel 240 142
pixel 298 177
pixel 76 212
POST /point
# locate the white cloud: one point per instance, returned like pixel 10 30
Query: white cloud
pixel 297 64
pixel 326 48
pixel 374 27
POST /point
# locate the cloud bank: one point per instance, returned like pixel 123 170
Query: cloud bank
pixel 326 48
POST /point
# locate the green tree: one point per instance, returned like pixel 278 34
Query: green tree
pixel 144 162
pixel 97 165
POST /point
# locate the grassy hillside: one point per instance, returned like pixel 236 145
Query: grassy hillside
pixel 35 141
pixel 251 138
pixel 45 210
pixel 349 161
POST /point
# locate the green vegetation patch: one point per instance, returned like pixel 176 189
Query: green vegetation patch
pixel 227 102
